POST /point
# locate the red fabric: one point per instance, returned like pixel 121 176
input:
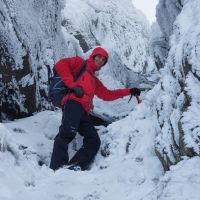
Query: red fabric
pixel 90 84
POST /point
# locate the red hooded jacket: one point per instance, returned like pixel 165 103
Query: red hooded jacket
pixel 89 83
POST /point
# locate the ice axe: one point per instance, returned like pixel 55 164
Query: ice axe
pixel 137 97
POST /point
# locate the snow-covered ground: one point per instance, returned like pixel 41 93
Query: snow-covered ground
pixel 130 171
pixel 127 170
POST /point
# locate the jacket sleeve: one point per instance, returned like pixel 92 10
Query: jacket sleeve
pixel 66 68
pixel 109 95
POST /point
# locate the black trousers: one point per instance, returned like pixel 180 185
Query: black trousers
pixel 74 120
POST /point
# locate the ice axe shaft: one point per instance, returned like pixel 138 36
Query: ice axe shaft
pixel 138 98
pixel 145 89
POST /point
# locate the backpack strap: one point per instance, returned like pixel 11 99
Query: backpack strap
pixel 80 72
pixel 50 74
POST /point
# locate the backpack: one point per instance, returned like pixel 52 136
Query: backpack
pixel 58 89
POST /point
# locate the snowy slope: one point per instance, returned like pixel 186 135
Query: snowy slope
pixel 131 169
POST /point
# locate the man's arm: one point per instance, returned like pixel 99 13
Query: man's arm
pixel 66 68
pixel 109 95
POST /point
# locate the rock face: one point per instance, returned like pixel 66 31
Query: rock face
pixel 29 35
pixel 178 104
pixel 117 26
pixel 33 36
pixel 167 11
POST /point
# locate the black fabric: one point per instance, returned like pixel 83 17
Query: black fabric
pixel 135 91
pixel 74 120
pixel 78 92
pixel 59 156
pixel 83 68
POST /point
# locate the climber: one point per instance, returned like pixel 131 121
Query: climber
pixel 76 107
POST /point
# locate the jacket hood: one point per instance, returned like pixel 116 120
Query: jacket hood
pixel 97 51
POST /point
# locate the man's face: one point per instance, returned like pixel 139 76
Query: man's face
pixel 99 60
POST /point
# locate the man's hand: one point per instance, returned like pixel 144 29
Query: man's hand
pixel 78 91
pixel 135 91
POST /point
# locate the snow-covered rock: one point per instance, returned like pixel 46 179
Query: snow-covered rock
pixel 113 24
pixel 30 41
pixel 178 103
pixel 166 13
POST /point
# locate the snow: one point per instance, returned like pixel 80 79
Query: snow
pixel 182 182
pixel 127 166
pixel 132 170
pixel 167 120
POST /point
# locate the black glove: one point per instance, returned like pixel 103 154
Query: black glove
pixel 78 92
pixel 135 91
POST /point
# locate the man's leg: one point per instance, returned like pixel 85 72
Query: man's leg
pixel 91 143
pixel 59 156
pixel 72 114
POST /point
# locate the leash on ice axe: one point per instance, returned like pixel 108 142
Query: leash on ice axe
pixel 137 97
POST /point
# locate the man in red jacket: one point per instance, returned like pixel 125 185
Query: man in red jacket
pixel 76 107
